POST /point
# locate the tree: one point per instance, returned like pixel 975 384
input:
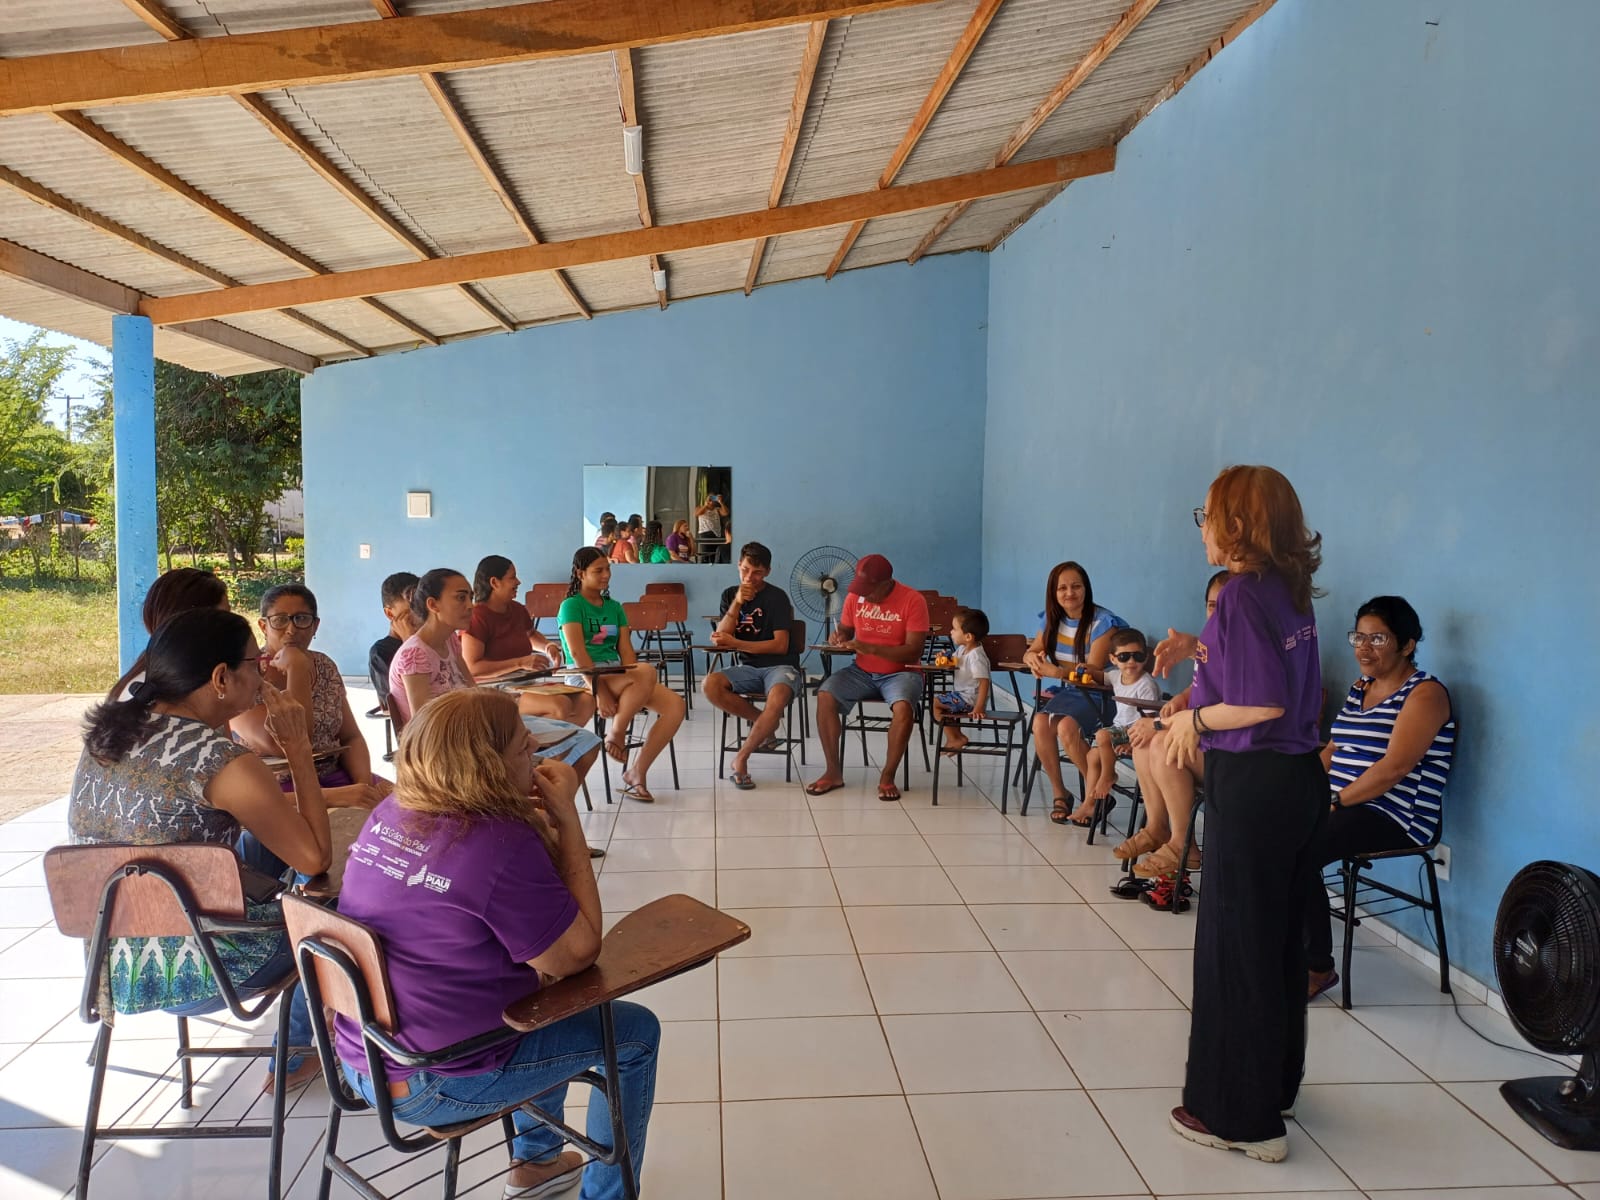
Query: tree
pixel 37 462
pixel 225 447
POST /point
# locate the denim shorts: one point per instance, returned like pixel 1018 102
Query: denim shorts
pixel 954 702
pixel 1090 709
pixel 759 681
pixel 852 684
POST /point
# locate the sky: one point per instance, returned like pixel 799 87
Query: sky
pixel 78 382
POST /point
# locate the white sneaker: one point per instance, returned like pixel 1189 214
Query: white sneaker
pixel 1189 1126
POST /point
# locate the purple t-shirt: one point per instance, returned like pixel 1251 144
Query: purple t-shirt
pixel 461 908
pixel 1258 651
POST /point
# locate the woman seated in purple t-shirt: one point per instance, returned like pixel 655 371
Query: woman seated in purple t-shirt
pixel 482 896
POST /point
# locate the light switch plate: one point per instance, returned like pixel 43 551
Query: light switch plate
pixel 366 550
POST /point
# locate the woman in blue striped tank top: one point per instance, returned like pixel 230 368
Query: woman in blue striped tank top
pixel 1388 761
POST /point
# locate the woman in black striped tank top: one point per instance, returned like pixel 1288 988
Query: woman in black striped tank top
pixel 1388 761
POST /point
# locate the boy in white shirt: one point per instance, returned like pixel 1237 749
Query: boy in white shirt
pixel 968 628
pixel 1129 653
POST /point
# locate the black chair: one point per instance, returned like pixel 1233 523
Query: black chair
pixel 785 744
pixel 1359 890
pixel 105 891
pixel 879 723
pixel 382 711
pixel 343 966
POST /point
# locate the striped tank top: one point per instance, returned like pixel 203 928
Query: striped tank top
pixel 1362 738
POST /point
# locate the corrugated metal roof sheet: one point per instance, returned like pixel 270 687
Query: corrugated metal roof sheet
pixel 714 112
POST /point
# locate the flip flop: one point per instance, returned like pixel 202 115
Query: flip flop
pixel 888 791
pixel 770 746
pixel 822 789
pixel 1084 822
pixel 618 751
pixel 741 780
pixel 632 791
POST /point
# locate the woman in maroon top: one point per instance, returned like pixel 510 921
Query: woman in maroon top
pixel 501 638
pixel 1256 711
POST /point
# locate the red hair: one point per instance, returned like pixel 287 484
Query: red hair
pixel 1258 523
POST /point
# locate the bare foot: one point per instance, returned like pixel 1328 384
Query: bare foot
pixel 954 741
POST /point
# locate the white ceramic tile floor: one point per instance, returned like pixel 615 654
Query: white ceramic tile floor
pixel 927 1009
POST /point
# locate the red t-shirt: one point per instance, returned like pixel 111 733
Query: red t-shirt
pixel 904 611
pixel 504 635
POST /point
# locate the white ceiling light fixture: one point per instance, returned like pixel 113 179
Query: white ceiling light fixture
pixel 633 149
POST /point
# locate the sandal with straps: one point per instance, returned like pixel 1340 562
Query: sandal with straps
pixel 1142 842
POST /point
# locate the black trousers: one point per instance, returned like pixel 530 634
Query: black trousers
pixel 1247 1033
pixel 1357 829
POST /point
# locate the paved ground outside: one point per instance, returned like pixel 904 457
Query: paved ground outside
pixel 40 739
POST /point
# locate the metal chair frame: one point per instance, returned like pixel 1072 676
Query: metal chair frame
pixel 204 928
pixel 1360 891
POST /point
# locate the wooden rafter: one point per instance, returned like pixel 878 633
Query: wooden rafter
pixel 1070 83
pixel 64 279
pixel 44 196
pixel 456 119
pixel 156 17
pixel 815 37
pixel 977 25
pixel 1172 87
pixel 492 176
pixel 638 243
pixel 627 101
pixel 164 178
pixel 451 41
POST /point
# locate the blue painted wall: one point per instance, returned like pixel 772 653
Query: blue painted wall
pixel 851 413
pixel 1361 247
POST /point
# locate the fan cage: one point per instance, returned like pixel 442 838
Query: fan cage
pixel 1547 955
pixel 833 562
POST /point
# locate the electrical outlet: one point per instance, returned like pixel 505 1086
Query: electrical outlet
pixel 1441 860
pixel 366 550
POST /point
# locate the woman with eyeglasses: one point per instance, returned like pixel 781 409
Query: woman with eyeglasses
pixel 159 768
pixel 1255 709
pixel 1388 761
pixel 344 768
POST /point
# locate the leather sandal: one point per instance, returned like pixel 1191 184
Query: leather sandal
pixel 1161 861
pixel 1142 842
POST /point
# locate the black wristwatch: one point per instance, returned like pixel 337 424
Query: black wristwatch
pixel 1158 725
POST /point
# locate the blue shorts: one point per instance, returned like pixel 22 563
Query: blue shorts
pixel 851 684
pixel 759 681
pixel 1090 709
pixel 578 742
pixel 954 702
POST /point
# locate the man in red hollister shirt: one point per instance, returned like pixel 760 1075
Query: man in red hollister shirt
pixel 884 625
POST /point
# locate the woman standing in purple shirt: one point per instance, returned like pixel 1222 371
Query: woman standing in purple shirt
pixel 1255 711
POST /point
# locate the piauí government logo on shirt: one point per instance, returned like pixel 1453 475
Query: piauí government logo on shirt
pixel 436 883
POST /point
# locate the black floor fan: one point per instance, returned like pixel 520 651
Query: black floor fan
pixel 1547 959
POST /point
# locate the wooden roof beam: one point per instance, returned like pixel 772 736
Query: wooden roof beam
pixel 1171 89
pixel 44 196
pixel 452 41
pixel 1130 20
pixel 815 37
pixel 637 243
pixel 977 25
pixel 628 103
pixel 157 18
pixel 74 283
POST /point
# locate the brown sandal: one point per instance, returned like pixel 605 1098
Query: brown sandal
pixel 1140 843
pixel 1161 861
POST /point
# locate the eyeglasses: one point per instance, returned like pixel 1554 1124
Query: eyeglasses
pixel 1199 518
pixel 1130 656
pixel 1376 640
pixel 300 620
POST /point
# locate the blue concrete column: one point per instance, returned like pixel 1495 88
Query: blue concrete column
pixel 133 394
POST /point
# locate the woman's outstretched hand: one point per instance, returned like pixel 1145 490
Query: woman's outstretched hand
pixel 1172 650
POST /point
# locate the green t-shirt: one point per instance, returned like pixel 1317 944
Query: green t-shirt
pixel 602 627
pixel 659 554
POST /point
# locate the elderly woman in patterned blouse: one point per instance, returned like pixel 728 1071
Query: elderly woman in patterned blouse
pixel 159 769
pixel 288 623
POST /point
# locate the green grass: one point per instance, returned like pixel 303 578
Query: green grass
pixel 58 637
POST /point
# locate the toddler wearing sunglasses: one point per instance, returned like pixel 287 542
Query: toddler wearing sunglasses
pixel 1130 680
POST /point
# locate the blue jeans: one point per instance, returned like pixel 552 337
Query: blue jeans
pixel 542 1058
pixel 268 975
